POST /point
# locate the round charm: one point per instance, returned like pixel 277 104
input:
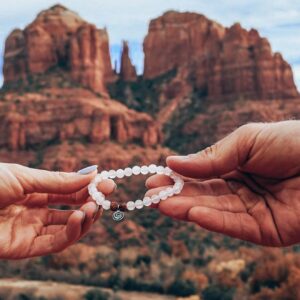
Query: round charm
pixel 118 216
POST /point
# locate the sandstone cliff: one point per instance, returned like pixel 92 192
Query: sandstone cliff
pixel 222 63
pixel 59 38
pixel 57 115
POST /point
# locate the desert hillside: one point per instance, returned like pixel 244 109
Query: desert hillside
pixel 63 107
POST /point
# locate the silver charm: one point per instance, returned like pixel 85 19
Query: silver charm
pixel 118 216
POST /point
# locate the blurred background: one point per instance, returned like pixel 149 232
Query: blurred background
pixel 119 83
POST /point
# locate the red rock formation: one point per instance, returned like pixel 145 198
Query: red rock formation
pixel 175 39
pixel 58 37
pixel 37 119
pixel 87 64
pixel 222 62
pixel 127 71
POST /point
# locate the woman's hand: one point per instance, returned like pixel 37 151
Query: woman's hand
pixel 247 185
pixel 28 226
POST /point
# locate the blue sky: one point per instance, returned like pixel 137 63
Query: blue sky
pixel 278 20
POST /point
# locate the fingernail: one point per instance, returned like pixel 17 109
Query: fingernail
pixel 87 170
pixel 96 211
pixel 83 217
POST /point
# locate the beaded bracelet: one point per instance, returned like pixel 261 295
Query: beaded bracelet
pixel 119 209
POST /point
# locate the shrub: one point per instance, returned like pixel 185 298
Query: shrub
pixel 165 247
pixel 131 284
pixel 182 288
pixel 115 282
pixel 247 272
pixel 218 292
pixel 146 259
pixel 96 295
pixel 23 297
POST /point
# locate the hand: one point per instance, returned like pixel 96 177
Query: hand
pixel 247 185
pixel 28 227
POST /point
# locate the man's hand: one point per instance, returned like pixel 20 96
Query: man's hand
pixel 247 185
pixel 28 227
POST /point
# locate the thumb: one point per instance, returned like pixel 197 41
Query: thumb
pixel 42 181
pixel 220 158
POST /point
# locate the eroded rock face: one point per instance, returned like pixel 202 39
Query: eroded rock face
pixel 35 119
pixel 127 70
pixel 86 61
pixel 59 38
pixel 222 62
pixel 175 39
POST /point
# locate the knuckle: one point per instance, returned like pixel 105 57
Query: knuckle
pixel 210 152
pixel 211 155
pixel 14 167
pixel 249 127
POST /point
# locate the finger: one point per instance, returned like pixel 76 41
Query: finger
pixel 158 180
pixel 106 187
pixel 221 158
pixel 98 214
pixel 91 210
pixel 58 217
pixel 70 233
pixel 237 225
pixel 179 206
pixel 51 229
pixel 213 187
pixel 42 181
pixel 50 243
pixel 78 198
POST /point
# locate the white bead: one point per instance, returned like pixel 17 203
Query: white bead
pixel 120 173
pixel 97 195
pixel 112 174
pixel 152 169
pixel 163 195
pixel 176 190
pixel 169 192
pixel 177 179
pixel 106 204
pixel 104 174
pixel 92 189
pixel 168 171
pixel 99 198
pixel 179 184
pixel 139 204
pixel 136 170
pixel 128 172
pixel 94 195
pixel 173 176
pixel 100 203
pixel 155 199
pixel 144 170
pixel 147 201
pixel 130 205
pixel 160 170
pixel 97 179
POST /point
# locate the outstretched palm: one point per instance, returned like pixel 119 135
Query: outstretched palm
pixel 28 226
pixel 254 188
